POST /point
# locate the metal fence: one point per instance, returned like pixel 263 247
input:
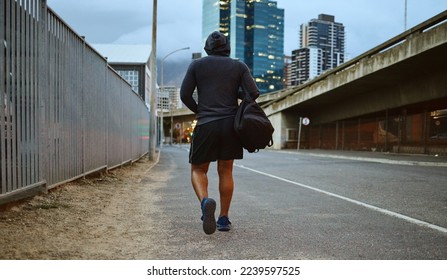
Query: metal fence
pixel 64 113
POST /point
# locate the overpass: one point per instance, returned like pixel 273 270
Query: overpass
pixel 391 98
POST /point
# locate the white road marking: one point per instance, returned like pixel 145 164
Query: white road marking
pixel 369 206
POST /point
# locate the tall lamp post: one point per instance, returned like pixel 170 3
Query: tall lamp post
pixel 153 99
pixel 163 93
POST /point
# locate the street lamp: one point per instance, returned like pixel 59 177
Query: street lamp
pixel 153 99
pixel 163 92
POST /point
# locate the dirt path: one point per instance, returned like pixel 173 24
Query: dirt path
pixel 92 218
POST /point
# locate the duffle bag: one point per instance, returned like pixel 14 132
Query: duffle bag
pixel 252 126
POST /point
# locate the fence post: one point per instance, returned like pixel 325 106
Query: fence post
pixel 2 100
pixel 83 121
pixel 43 68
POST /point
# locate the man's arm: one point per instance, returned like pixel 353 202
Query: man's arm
pixel 248 84
pixel 187 89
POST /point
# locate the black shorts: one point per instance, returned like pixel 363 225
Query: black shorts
pixel 215 140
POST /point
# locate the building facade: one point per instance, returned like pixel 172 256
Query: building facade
pixel 287 76
pixel 132 63
pixel 322 47
pixel 307 64
pixel 256 33
pixel 169 98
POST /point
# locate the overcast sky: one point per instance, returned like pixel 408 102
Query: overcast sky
pixel 368 23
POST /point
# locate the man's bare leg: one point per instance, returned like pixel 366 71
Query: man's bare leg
pixel 226 185
pixel 199 179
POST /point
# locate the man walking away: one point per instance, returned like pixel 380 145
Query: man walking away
pixel 218 79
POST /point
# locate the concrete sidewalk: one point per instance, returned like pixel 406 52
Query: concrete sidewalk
pixel 381 157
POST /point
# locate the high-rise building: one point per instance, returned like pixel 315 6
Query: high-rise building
pixel 255 29
pixel 287 78
pixel 307 64
pixel 322 47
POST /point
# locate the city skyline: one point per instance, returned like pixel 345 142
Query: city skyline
pixel 368 23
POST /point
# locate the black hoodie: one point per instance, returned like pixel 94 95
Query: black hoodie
pixel 218 79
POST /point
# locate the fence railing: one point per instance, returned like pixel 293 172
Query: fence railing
pixel 64 113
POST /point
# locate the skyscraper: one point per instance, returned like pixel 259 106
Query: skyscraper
pixel 255 29
pixel 322 47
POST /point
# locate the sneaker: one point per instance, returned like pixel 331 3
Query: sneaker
pixel 209 222
pixel 223 224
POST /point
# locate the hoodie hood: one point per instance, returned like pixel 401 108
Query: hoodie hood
pixel 217 44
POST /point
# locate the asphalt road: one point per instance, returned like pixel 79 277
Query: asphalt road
pixel 290 205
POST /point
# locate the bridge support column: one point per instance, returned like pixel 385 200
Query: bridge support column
pixel 286 130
